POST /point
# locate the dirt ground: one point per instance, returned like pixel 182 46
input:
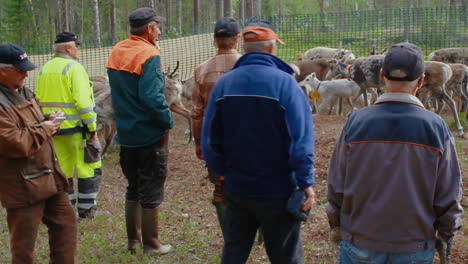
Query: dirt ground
pixel 187 175
pixel 188 220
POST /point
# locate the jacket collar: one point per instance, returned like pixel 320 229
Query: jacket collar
pixel 263 58
pixel 15 97
pixel 230 51
pixel 138 38
pixel 64 55
pixel 399 97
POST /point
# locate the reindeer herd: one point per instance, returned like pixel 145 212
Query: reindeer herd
pixel 329 76
pixel 446 80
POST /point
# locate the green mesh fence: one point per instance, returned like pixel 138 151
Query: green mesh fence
pixel 430 28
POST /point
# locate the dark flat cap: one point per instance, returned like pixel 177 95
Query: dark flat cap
pixel 142 16
pixel 15 55
pixel 66 37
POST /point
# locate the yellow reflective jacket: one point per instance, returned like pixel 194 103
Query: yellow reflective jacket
pixel 64 84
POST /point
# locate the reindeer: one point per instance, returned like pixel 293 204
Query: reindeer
pixel 458 83
pixel 450 55
pixel 173 94
pixel 330 91
pixel 105 111
pixel 324 52
pixel 303 68
pixel 187 87
pixel 437 74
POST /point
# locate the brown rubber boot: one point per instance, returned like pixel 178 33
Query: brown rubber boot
pixel 150 234
pixel 133 223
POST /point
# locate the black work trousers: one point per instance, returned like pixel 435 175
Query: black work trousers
pixel 145 169
pixel 243 216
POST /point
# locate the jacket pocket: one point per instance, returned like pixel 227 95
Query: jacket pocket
pixel 40 183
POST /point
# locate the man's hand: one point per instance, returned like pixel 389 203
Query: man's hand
pixel 444 249
pixel 54 126
pixel 55 114
pixel 310 198
pixel 199 152
pixel 93 136
pixel 335 235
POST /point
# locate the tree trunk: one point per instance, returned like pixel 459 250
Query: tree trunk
pixel 322 15
pixel 228 8
pixel 31 9
pixel 257 8
pixel 280 7
pixel 168 15
pixel 179 15
pixel 62 16
pixel 219 8
pixel 66 15
pixel 248 7
pixel 113 23
pixel 96 23
pixel 196 15
pixel 241 10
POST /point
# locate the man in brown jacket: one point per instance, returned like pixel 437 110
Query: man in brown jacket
pixel 33 188
pixel 226 37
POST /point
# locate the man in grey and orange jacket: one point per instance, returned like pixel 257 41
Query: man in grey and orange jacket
pixel 394 185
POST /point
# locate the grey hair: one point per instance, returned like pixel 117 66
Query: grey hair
pixel 7 66
pixel 138 31
pixel 58 46
pixel 262 45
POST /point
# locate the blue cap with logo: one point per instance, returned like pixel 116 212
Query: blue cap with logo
pixel 15 55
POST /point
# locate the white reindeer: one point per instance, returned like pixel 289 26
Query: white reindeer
pixel 330 91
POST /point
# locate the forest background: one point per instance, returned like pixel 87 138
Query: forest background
pixel 103 22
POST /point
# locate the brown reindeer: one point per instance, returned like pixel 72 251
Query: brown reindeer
pixel 458 83
pixel 306 67
pixel 437 75
pixel 450 55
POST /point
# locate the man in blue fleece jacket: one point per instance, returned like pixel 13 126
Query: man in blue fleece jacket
pixel 258 133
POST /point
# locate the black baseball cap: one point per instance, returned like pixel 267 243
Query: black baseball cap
pixel 403 62
pixel 15 55
pixel 142 16
pixel 66 37
pixel 226 27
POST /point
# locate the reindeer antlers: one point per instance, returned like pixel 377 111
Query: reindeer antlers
pixel 177 67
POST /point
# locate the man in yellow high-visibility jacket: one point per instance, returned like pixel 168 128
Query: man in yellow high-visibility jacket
pixel 64 84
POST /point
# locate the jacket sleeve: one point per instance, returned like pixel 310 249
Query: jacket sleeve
pixel 336 177
pixel 83 95
pixel 448 193
pixel 198 109
pixel 212 133
pixel 300 125
pixel 16 142
pixel 151 92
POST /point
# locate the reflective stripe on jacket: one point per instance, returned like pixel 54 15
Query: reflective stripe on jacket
pixel 64 84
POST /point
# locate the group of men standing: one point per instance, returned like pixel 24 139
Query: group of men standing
pixel 253 127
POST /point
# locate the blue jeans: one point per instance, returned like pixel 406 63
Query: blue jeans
pixel 351 254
